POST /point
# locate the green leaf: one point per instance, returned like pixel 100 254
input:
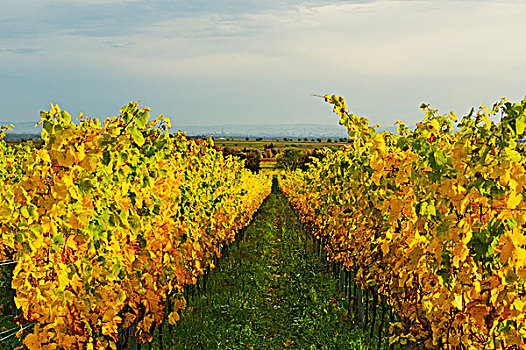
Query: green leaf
pixel 440 158
pixel 48 126
pixel 24 212
pixel 431 209
pixel 137 136
pixel 142 118
pixel 520 125
pixel 127 117
pixel 58 238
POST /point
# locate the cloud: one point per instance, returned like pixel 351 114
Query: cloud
pixel 126 17
pixel 386 56
pixel 118 45
pixel 20 51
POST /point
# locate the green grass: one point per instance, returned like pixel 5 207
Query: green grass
pixel 6 319
pixel 270 293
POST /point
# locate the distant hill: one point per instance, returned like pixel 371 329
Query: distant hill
pixel 24 127
pixel 270 130
pixel 228 130
pixel 267 130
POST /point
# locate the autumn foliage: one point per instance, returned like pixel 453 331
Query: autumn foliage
pixel 108 221
pixel 433 220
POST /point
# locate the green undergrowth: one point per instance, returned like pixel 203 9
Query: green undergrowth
pixel 271 292
pixel 8 328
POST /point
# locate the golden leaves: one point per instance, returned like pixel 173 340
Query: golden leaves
pixel 173 318
pixel 179 304
pixel 514 200
pixel 32 342
pixel 111 217
pixel 507 248
pixel 434 218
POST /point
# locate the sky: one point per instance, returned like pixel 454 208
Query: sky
pixel 218 62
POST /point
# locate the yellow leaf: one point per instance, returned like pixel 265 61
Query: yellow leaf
pixel 70 342
pixel 63 278
pixel 125 203
pixel 505 214
pixel 385 248
pixel 44 155
pixel 454 340
pixel 457 301
pixel 507 248
pixel 478 313
pixel 519 305
pixel 173 318
pixel 393 339
pixel 81 152
pixel 168 122
pixel 32 342
pixel 460 253
pixel 514 200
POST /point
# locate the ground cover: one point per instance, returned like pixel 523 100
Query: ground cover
pixel 8 328
pixel 271 292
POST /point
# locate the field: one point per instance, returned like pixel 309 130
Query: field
pixel 123 235
pixel 279 143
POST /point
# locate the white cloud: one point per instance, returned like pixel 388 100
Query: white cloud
pixel 90 2
pixel 396 52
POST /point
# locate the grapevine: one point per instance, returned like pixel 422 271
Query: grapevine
pixel 109 220
pixel 432 219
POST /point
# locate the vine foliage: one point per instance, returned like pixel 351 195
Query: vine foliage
pixel 433 220
pixel 109 220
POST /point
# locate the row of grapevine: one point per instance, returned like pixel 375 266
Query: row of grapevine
pixel 431 219
pixel 108 222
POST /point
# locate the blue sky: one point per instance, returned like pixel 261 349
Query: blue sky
pixel 256 62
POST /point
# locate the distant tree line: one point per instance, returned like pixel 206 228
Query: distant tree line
pixel 252 157
pixel 295 158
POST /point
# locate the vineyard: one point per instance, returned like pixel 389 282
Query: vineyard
pixel 108 225
pixel 430 221
pixel 108 222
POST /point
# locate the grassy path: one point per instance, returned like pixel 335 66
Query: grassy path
pixel 271 292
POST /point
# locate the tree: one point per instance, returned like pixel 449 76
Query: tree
pixel 251 157
pixel 252 161
pixel 227 151
pixel 289 158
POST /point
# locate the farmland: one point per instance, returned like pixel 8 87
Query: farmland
pixel 279 143
pixel 121 234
